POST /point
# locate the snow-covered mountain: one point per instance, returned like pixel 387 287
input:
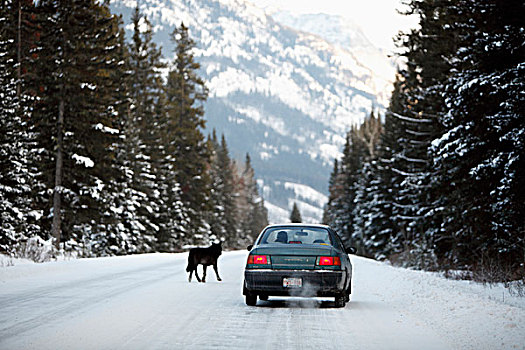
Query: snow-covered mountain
pixel 348 36
pixel 282 94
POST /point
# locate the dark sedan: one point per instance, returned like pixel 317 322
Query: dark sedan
pixel 303 260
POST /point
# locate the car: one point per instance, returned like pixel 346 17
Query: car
pixel 303 260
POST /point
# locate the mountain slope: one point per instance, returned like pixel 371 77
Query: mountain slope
pixel 285 96
pixel 348 36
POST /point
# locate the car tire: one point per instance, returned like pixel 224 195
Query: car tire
pixel 251 299
pixel 340 300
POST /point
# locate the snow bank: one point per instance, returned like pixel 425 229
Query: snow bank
pixel 468 315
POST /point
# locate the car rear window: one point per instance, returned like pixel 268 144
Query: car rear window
pixel 296 235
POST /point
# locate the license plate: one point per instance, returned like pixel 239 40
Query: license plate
pixel 292 282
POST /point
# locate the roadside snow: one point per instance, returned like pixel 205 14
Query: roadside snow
pixel 466 314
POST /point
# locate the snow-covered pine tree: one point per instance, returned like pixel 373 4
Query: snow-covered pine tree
pixel 338 210
pixel 223 220
pixel 120 203
pixel 75 117
pixel 124 228
pixel 368 133
pixel 420 103
pixel 482 152
pixel 365 237
pixel 141 144
pixel 173 216
pixel 216 219
pixel 19 151
pixel 9 233
pixel 228 171
pixel 354 155
pixel 381 237
pixel 184 142
pixel 15 168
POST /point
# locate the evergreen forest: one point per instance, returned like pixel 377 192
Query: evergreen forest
pixel 103 153
pixel 438 181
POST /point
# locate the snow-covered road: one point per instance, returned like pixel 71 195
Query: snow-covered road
pixel 146 302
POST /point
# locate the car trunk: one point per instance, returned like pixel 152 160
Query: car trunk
pixel 294 257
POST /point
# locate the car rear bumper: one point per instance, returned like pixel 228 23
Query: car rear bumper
pixel 314 282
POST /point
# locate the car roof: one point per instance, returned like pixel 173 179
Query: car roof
pixel 298 225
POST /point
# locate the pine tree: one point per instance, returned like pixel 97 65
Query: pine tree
pixel 252 214
pixel 75 115
pixel 454 104
pixel 342 187
pixel 381 237
pixel 184 142
pixel 18 151
pixel 11 156
pixel 328 210
pixel 227 170
pixel 295 215
pixel 363 188
pixel 417 106
pixel 174 215
pixel 223 221
pixel 354 156
pixel 481 154
pixel 348 184
pixel 139 123
pixel 365 236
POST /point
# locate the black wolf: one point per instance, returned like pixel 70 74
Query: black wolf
pixel 205 257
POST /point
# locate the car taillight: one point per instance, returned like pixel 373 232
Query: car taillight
pixel 258 259
pixel 328 261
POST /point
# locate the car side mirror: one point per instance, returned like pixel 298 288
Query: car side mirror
pixel 350 250
pixel 249 247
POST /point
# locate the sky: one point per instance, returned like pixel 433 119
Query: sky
pixel 378 18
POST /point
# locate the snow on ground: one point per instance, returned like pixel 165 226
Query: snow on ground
pixel 145 301
pixel 465 314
